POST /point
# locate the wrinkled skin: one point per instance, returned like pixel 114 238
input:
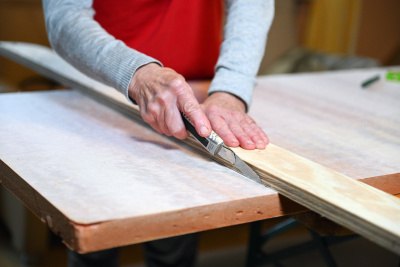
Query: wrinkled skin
pixel 161 94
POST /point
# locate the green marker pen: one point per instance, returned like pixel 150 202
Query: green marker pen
pixel 370 81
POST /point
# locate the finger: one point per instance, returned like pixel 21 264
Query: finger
pixel 188 104
pixel 151 121
pixel 175 124
pixel 262 134
pixel 163 126
pixel 221 128
pixel 244 139
pixel 162 123
pixel 252 130
pixel 155 115
pixel 257 129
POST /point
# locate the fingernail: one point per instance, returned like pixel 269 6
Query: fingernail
pixel 249 142
pixel 204 130
pixel 260 144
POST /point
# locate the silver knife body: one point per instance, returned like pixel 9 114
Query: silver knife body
pixel 227 154
pixel 215 145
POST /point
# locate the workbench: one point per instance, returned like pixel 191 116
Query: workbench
pixel 100 179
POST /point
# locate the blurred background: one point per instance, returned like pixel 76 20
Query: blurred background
pixel 306 35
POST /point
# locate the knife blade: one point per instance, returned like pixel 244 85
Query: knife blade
pixel 215 145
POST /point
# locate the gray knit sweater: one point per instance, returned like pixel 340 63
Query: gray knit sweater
pixel 80 40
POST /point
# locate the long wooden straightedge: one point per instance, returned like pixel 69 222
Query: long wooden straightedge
pixel 361 208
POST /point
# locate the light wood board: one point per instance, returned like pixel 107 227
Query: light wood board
pixel 357 206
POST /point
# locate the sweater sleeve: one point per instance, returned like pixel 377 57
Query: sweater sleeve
pixel 79 39
pixel 242 49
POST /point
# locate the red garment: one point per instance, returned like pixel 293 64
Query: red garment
pixel 184 35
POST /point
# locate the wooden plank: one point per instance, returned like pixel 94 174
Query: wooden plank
pixel 357 206
pixel 314 186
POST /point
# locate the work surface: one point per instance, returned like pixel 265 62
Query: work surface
pixel 99 179
pixel 329 119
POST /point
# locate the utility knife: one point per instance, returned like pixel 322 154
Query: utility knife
pixel 214 144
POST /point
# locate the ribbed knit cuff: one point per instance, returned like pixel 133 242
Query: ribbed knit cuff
pixel 234 83
pixel 124 64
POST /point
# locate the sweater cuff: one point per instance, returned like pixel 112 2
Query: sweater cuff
pixel 234 83
pixel 125 67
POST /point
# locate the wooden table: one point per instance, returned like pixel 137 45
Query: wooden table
pixel 99 179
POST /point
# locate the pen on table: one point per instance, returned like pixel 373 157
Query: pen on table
pixel 370 81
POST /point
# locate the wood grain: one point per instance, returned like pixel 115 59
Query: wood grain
pixel 100 180
pixel 329 119
pixel 355 205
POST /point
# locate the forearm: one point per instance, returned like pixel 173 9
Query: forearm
pixel 80 40
pixel 245 35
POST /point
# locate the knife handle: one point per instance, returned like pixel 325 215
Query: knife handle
pixel 212 143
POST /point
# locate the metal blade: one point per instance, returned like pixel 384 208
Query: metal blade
pixel 214 144
pixel 230 156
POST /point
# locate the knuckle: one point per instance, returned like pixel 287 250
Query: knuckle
pixel 243 121
pixel 220 128
pixel 177 83
pixel 148 118
pixel 239 116
pixel 214 109
pixel 177 131
pixel 252 123
pixel 247 129
pixel 255 137
pixel 164 99
pixel 152 108
pixel 236 129
pixel 190 107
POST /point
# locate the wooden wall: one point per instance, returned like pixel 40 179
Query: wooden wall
pixel 354 27
pixel 22 21
pixel 379 32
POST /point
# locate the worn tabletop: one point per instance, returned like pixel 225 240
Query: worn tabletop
pixel 100 179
